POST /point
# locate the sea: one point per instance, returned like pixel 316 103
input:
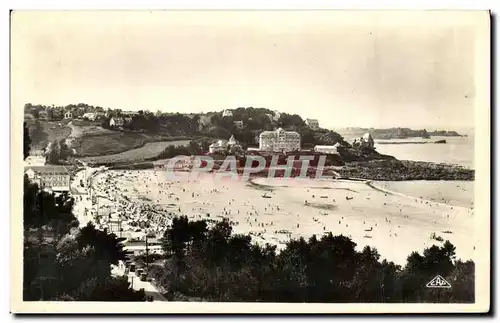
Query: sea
pixel 456 151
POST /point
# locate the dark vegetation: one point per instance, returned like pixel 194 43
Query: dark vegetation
pixel 43 132
pixel 146 127
pixel 27 141
pixel 56 113
pixel 255 120
pixel 396 170
pixel 213 264
pixel 203 129
pixel 194 148
pixel 58 152
pixel 65 263
pixel 362 154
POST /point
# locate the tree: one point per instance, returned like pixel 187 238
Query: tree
pixel 292 121
pixel 75 269
pixel 194 148
pixel 38 136
pixel 65 151
pixel 53 152
pixel 112 289
pixel 107 246
pixel 205 145
pixel 26 141
pixel 420 269
pixel 58 151
pixel 462 278
pixel 219 132
pixel 219 266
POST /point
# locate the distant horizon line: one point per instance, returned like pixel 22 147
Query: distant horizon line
pixel 428 127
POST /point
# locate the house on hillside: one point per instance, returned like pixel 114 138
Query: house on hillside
pixel 218 147
pixel 327 149
pixel 366 141
pixel 277 115
pixel 238 124
pixel 232 141
pixel 130 113
pixel 312 123
pixel 36 158
pixel 68 115
pixel 90 116
pixel 223 145
pixel 227 113
pixel 116 122
pixel 43 115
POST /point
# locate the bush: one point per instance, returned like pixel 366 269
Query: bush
pixel 212 264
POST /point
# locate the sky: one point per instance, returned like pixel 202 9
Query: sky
pixel 346 69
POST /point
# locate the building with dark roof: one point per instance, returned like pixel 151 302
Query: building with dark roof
pixel 50 177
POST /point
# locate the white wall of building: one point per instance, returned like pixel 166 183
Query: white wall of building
pixel 326 149
pixel 279 141
pixel 35 161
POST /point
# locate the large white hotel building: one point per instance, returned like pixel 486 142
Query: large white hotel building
pixel 279 141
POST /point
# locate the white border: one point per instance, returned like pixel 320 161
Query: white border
pixel 213 307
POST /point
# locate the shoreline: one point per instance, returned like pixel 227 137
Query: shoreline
pixel 406 170
pixel 396 193
pixel 373 170
pixel 213 200
pixel 410 143
pixel 374 185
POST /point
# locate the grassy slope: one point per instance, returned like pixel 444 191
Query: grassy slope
pixel 107 143
pixel 149 150
pixel 52 130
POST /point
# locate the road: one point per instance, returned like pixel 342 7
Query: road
pixel 137 284
pixel 148 287
pixel 83 204
pixel 81 210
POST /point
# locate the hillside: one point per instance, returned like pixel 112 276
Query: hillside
pixel 98 137
pixel 256 120
pixel 43 132
pixel 145 137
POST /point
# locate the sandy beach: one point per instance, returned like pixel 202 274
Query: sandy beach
pixel 458 193
pixel 275 210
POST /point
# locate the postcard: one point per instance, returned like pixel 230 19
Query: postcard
pixel 250 161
